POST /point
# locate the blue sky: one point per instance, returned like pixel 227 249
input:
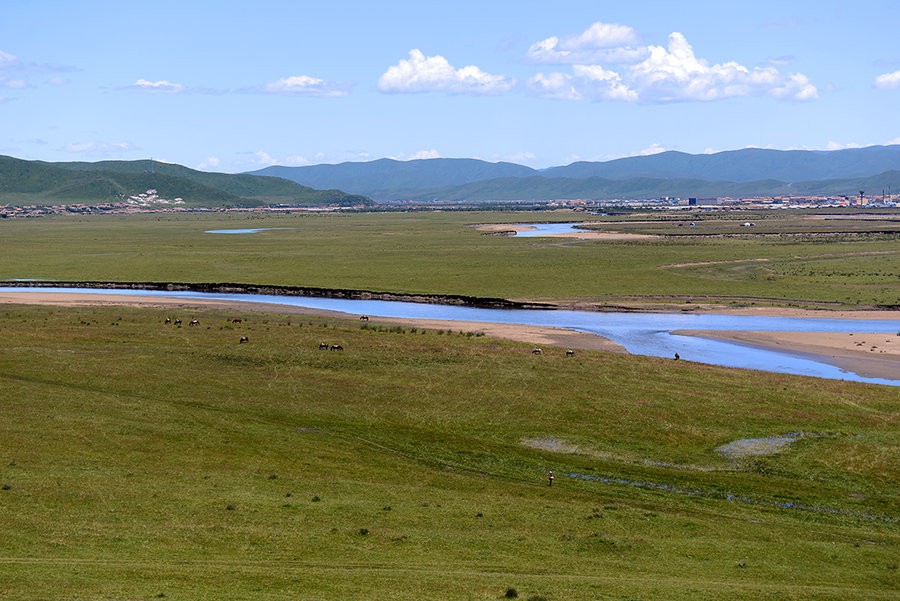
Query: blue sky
pixel 236 86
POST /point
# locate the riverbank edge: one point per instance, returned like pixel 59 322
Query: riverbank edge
pixel 236 288
pixel 624 304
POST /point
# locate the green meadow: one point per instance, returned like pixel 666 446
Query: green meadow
pixel 140 460
pixel 786 256
pixel 145 461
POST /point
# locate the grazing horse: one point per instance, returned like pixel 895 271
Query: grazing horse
pixel 536 351
pixel 243 340
pixel 168 320
pixel 364 318
pixel 336 347
pixel 570 352
pixel 323 346
pixel 236 320
pixel 177 322
pixel 194 322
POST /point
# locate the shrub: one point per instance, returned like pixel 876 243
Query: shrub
pixel 511 593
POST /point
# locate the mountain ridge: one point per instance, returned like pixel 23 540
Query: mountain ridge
pixel 388 179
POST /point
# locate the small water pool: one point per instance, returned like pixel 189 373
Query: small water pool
pixel 254 230
pixel 545 229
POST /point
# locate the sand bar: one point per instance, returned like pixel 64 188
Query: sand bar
pixel 867 354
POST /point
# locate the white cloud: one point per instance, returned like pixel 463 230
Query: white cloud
pixel 676 74
pixel 654 148
pixel 421 154
pixel 208 162
pixel 436 74
pixel 17 84
pixel 604 43
pixel 888 81
pixel 559 86
pixel 521 157
pixel 161 86
pixel 58 81
pixel 98 148
pixel 263 158
pixel 304 85
pixel 838 146
pixel 296 160
pixel 7 60
pixel 602 84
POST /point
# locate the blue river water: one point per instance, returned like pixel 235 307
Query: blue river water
pixel 545 229
pixel 640 333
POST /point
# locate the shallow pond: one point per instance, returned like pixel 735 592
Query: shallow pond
pixel 640 333
pixel 254 230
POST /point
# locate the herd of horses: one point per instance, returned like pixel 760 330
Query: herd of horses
pixel 324 346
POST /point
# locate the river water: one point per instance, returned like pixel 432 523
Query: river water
pixel 640 333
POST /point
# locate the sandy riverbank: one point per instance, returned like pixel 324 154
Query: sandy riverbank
pixel 537 335
pixel 867 354
pixel 872 355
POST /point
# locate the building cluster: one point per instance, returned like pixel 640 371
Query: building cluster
pixel 761 202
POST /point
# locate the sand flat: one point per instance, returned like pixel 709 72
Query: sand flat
pixel 873 355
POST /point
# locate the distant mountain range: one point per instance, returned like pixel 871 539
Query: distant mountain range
pixel 747 172
pixel 738 173
pixel 41 183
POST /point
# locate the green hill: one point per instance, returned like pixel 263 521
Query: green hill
pixel 41 183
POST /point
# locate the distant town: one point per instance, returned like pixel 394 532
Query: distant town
pixel 150 202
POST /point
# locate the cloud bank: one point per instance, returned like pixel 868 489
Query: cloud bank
pixel 304 85
pixel 651 74
pixel 155 87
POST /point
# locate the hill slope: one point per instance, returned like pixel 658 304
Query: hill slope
pixel 744 165
pixel 41 183
pixel 264 189
pixel 538 188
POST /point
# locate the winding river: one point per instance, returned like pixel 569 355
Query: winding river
pixel 640 333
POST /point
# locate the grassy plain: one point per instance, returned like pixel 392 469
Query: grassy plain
pixel 785 256
pixel 142 461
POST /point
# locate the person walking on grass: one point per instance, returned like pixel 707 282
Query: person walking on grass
pixel 550 477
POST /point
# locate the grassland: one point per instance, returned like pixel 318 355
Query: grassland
pixel 786 256
pixel 142 461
